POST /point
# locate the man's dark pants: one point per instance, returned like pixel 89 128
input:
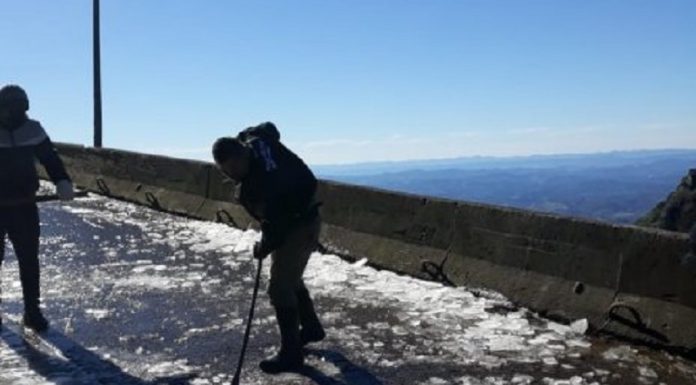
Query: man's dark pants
pixel 21 225
pixel 289 262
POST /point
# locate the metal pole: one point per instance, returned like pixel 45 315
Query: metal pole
pixel 97 77
pixel 247 332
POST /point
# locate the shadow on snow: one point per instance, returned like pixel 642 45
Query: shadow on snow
pixel 45 355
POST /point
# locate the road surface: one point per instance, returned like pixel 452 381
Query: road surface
pixel 137 296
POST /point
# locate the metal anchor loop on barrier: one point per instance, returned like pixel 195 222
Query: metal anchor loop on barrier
pixel 322 248
pixel 152 200
pixel 102 186
pixel 637 319
pixel 636 323
pixel 437 272
pixel 223 216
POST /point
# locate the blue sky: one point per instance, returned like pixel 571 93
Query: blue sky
pixel 363 80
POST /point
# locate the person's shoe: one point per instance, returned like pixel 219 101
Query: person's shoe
pixel 35 320
pixel 311 331
pixel 314 333
pixel 290 358
pixel 282 362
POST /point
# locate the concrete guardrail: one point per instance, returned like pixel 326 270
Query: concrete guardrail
pixel 626 280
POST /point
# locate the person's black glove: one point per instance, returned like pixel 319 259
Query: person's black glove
pixel 260 252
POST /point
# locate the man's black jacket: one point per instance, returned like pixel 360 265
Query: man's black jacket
pixel 279 189
pixel 20 146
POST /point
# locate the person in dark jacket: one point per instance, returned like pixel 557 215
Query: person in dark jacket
pixel 23 140
pixel 278 190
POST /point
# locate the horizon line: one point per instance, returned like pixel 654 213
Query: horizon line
pixel 503 157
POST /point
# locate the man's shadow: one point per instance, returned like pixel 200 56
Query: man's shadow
pixel 351 374
pixel 67 357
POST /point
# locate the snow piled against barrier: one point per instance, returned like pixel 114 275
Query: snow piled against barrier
pixel 459 320
pixel 423 313
pixel 429 323
pixel 381 320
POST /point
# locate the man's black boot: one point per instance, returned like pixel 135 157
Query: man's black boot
pixel 290 358
pixel 311 331
pixel 33 319
pixel 31 289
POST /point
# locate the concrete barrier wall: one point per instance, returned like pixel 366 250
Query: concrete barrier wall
pixel 626 280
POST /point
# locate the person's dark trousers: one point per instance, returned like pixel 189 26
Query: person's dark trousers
pixel 20 224
pixel 311 331
pixel 289 358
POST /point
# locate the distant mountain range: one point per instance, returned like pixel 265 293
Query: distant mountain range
pixel 619 187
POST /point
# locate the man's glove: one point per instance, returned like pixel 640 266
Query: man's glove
pixel 65 191
pixel 260 252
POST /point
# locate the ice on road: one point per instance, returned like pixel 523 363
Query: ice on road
pixel 137 296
